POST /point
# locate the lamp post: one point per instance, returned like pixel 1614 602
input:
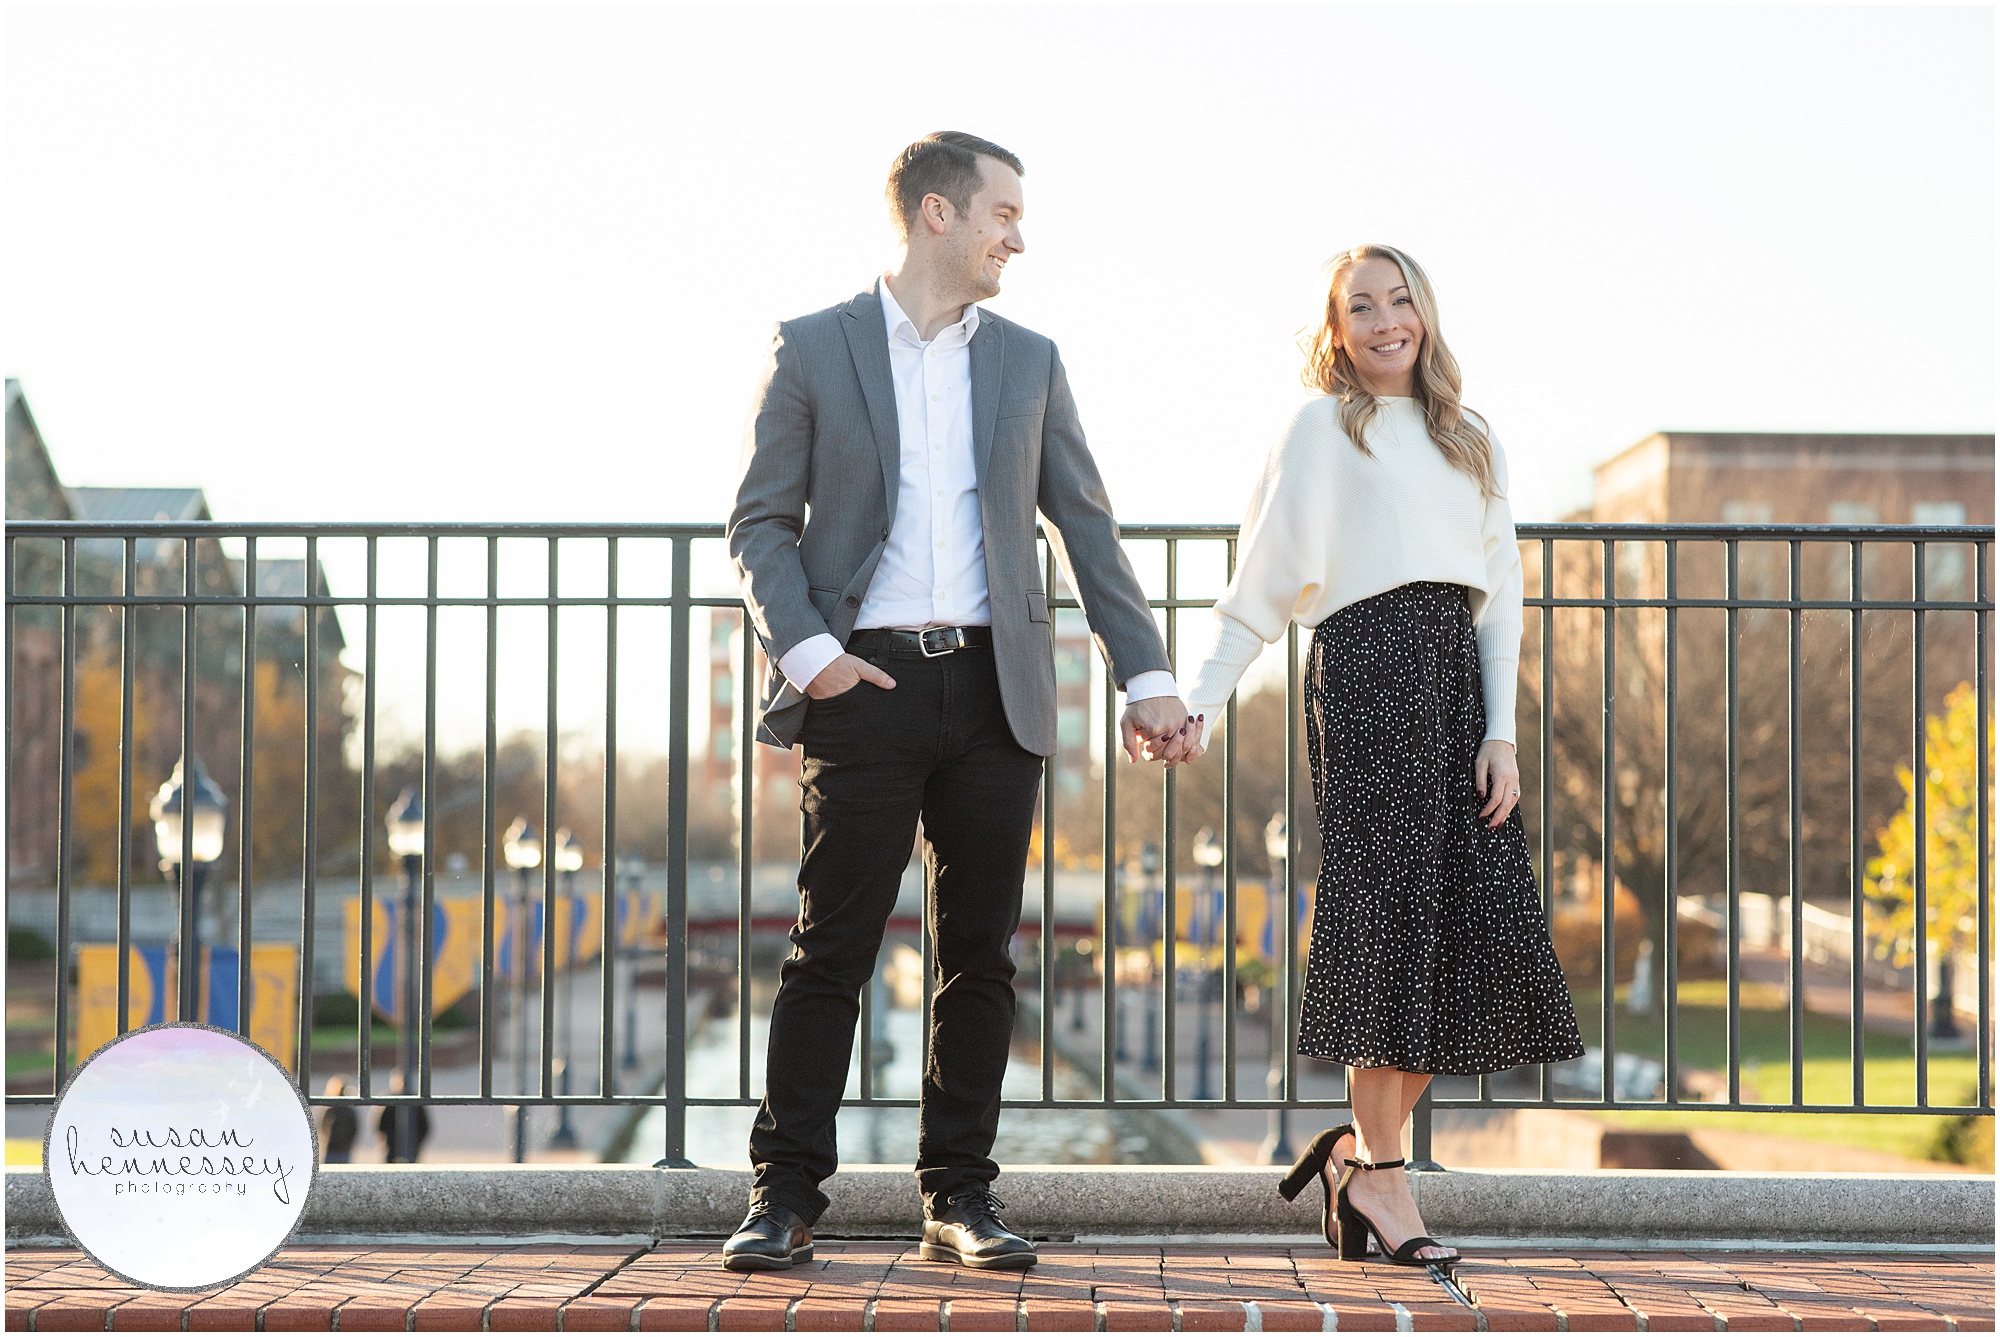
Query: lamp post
pixel 406 841
pixel 1116 942
pixel 1207 854
pixel 1944 1026
pixel 523 851
pixel 1083 950
pixel 635 872
pixel 186 851
pixel 1277 1146
pixel 568 855
pixel 1149 865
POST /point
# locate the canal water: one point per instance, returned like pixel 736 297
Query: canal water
pixel 719 1135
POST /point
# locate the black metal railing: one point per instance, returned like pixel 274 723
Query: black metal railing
pixel 1629 780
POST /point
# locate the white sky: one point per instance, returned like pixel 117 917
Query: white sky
pixel 468 263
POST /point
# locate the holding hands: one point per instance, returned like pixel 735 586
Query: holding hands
pixel 1159 728
pixel 1193 749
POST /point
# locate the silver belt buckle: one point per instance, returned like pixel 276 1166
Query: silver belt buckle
pixel 924 641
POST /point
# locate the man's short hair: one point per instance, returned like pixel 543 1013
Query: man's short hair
pixel 946 164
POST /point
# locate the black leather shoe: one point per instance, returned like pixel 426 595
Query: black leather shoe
pixel 771 1239
pixel 966 1229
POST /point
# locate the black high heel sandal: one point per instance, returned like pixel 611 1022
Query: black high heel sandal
pixel 1355 1227
pixel 1310 1165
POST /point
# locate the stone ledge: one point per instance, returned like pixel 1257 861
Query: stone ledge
pixel 1128 1201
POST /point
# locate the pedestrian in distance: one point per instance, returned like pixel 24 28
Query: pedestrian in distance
pixel 900 446
pixel 388 1127
pixel 1382 524
pixel 338 1125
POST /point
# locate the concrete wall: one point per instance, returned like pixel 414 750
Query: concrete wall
pixel 1133 1201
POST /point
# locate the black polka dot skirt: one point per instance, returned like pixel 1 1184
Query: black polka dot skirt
pixel 1429 950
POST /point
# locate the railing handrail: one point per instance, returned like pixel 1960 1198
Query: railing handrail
pixel 1527 529
pixel 1783 592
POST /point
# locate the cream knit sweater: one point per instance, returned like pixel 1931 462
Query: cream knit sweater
pixel 1329 526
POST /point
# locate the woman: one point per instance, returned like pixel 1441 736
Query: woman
pixel 1381 522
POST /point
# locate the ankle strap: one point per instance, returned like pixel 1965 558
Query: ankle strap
pixel 1374 1165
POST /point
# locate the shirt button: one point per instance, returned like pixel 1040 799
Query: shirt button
pixel 940 492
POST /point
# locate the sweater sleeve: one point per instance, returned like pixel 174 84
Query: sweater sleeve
pixel 1499 622
pixel 1281 560
pixel 1229 651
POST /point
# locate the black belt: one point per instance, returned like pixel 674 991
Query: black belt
pixel 929 643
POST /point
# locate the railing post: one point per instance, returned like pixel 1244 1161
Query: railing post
pixel 607 876
pixel 746 874
pixel 1607 857
pixel 674 1089
pixel 245 781
pixel 1982 788
pixel 1420 1134
pixel 127 676
pixel 188 873
pixel 66 812
pixel 309 884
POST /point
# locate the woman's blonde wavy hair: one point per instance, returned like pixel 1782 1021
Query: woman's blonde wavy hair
pixel 1330 371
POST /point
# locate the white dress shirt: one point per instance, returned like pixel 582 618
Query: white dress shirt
pixel 933 570
pixel 933 573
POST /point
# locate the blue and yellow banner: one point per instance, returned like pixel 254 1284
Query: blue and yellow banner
pixel 578 919
pixel 455 951
pixel 153 997
pixel 640 918
pixel 151 1000
pixel 274 996
pixel 456 941
pixel 1198 919
pixel 639 924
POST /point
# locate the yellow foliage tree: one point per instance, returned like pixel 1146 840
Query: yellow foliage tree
pixel 1951 854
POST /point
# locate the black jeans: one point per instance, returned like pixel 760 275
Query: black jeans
pixel 937 746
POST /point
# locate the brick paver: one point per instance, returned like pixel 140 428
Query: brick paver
pixel 1060 1315
pixel 675 1314
pixel 851 1286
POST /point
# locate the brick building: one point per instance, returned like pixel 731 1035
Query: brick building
pixel 1798 478
pixel 1753 478
pixel 35 492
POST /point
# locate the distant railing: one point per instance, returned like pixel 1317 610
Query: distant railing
pixel 1608 736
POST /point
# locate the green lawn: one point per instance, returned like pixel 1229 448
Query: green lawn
pixel 24 1061
pixel 1764 1027
pixel 347 1035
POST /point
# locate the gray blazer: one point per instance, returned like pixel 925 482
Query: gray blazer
pixel 821 462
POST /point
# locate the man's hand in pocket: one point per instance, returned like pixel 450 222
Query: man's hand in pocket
pixel 843 674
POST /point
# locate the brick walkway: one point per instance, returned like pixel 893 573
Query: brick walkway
pixel 859 1286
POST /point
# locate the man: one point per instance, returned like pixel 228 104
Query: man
pixel 884 536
